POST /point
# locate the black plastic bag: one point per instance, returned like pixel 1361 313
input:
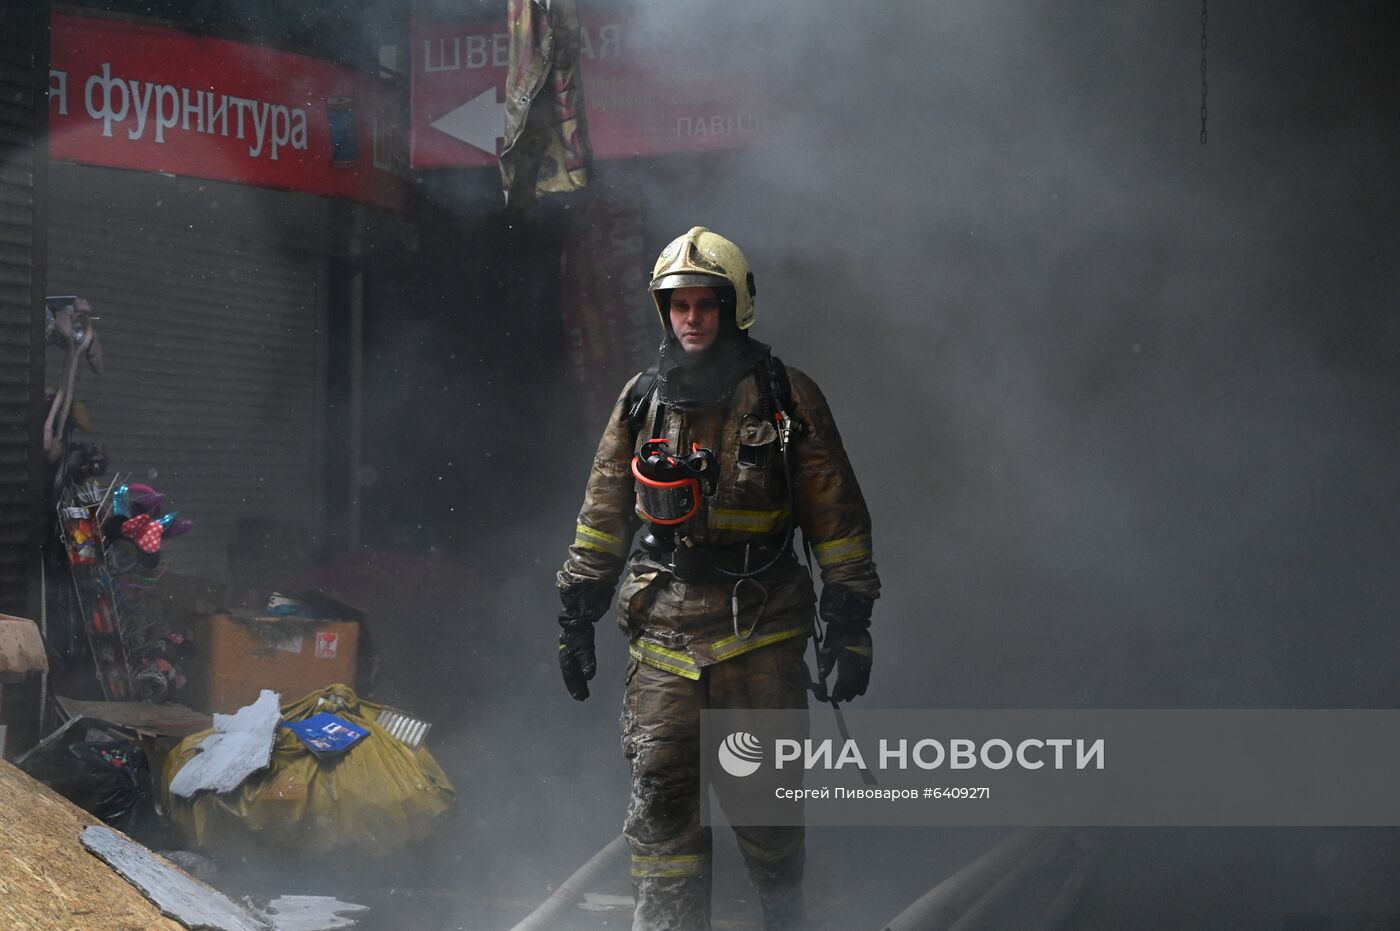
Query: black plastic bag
pixel 95 767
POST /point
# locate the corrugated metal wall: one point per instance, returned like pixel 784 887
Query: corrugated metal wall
pixel 23 71
pixel 211 305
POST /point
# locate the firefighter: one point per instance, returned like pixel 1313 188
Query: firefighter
pixel 723 452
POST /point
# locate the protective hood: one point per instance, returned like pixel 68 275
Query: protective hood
pixel 693 381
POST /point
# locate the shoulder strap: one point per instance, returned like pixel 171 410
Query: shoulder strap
pixel 780 388
pixel 642 390
pixel 779 383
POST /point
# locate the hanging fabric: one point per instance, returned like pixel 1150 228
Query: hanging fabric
pixel 546 149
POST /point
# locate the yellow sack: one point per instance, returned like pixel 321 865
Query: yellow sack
pixel 377 796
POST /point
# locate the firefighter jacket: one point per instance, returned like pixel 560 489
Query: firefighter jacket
pixel 682 621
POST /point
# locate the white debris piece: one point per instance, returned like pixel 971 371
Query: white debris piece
pixel 310 913
pixel 240 746
pixel 597 902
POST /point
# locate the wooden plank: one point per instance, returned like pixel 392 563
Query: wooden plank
pixel 201 907
pixel 168 720
pixel 46 880
pixel 176 893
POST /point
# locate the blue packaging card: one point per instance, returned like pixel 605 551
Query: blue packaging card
pixel 325 734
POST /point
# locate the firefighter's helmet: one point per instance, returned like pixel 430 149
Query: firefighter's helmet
pixel 704 259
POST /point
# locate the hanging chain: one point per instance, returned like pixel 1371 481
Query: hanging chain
pixel 1203 72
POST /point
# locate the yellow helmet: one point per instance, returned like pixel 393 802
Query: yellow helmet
pixel 702 259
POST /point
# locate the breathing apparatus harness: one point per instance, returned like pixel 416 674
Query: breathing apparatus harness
pixel 670 487
pixel 654 467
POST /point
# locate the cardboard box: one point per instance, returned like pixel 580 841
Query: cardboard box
pixel 22 662
pixel 21 648
pixel 238 657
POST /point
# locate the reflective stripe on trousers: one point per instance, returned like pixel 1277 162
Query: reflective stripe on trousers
pixel 725 648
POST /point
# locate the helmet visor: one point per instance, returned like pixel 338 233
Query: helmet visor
pixel 671 282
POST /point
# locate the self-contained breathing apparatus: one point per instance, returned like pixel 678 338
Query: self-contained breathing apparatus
pixel 669 489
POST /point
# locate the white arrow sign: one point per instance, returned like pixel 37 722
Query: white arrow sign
pixel 479 122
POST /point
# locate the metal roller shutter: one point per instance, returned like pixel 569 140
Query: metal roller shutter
pixel 213 335
pixel 23 59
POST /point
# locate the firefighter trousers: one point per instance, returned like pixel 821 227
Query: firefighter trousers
pixel 661 738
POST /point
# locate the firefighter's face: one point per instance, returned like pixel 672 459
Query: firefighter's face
pixel 695 318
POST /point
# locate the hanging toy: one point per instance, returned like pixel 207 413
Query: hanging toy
pixel 179 526
pixel 119 502
pixel 144 532
pixel 143 499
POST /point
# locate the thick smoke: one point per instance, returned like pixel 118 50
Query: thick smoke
pixel 1120 400
pixel 1122 404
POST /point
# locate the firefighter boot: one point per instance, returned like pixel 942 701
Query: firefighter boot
pixel 671 903
pixel 775 857
pixel 784 910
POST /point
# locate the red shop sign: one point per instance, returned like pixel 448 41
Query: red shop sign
pixel 643 96
pixel 150 98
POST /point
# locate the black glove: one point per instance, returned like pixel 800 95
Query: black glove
pixel 584 603
pixel 847 647
pixel 576 659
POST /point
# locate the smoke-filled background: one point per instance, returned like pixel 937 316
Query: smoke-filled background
pixel 1123 406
